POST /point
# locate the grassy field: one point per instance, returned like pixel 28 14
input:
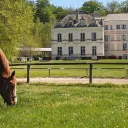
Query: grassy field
pixel 67 106
pixel 98 72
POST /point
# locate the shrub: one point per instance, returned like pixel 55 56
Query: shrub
pixel 101 57
pixel 85 58
pixel 112 57
pixel 57 57
pixel 46 58
pixel 35 57
pixel 120 57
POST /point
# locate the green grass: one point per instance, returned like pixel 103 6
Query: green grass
pixel 104 73
pixel 67 106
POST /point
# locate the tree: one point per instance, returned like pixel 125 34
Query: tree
pixel 37 29
pixel 32 5
pixel 44 11
pixel 16 23
pixel 91 6
pixel 42 33
pixel 113 7
pixel 124 7
pixel 46 35
pixel 59 13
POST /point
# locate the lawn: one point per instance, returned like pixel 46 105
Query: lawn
pixel 63 72
pixel 67 106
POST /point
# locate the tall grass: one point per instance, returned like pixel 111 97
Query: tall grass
pixel 67 106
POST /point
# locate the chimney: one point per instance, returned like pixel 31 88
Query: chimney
pixel 77 15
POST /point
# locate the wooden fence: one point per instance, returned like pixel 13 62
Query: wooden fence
pixel 90 69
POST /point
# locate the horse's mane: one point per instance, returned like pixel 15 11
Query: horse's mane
pixel 4 66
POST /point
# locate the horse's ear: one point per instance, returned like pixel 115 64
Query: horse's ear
pixel 13 74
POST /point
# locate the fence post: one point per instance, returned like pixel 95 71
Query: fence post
pixel 86 72
pixel 90 76
pixel 28 73
pixel 49 69
pixel 126 72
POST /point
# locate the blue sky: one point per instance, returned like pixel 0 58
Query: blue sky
pixel 75 3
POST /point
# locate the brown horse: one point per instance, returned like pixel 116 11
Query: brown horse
pixel 7 81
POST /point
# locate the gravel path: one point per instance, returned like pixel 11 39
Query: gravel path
pixel 73 80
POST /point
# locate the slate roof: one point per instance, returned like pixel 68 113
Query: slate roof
pixel 112 17
pixel 76 22
pixel 94 23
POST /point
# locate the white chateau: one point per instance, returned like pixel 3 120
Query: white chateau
pixel 80 35
pixel 77 35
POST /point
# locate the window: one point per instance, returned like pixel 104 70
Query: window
pixel 124 46
pixel 82 36
pixel 94 51
pixel 106 27
pixel 70 51
pixel 106 37
pixel 83 50
pixel 111 27
pixel 59 51
pixel 93 36
pixel 123 26
pixel 124 37
pixel 117 26
pixel 112 37
pixel 59 37
pixel 70 37
pixel 106 47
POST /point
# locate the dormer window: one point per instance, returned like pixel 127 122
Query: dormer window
pixel 70 23
pixel 82 21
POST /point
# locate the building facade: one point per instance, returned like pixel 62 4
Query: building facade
pixel 116 35
pixel 77 35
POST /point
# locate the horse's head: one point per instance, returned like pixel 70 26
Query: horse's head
pixel 8 89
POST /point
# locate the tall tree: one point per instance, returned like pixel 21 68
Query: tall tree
pixel 91 6
pixel 16 22
pixel 113 7
pixel 44 11
pixel 59 13
pixel 42 33
pixel 124 7
pixel 37 32
pixel 46 35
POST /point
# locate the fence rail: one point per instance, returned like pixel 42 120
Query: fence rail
pixel 90 69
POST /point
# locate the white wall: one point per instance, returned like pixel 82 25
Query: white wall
pixel 76 44
pixel 115 43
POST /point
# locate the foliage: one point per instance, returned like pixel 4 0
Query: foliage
pixel 32 5
pixel 124 7
pixel 16 22
pixel 42 33
pixel 91 6
pixel 44 11
pixel 60 13
pixel 113 7
pixel 37 29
